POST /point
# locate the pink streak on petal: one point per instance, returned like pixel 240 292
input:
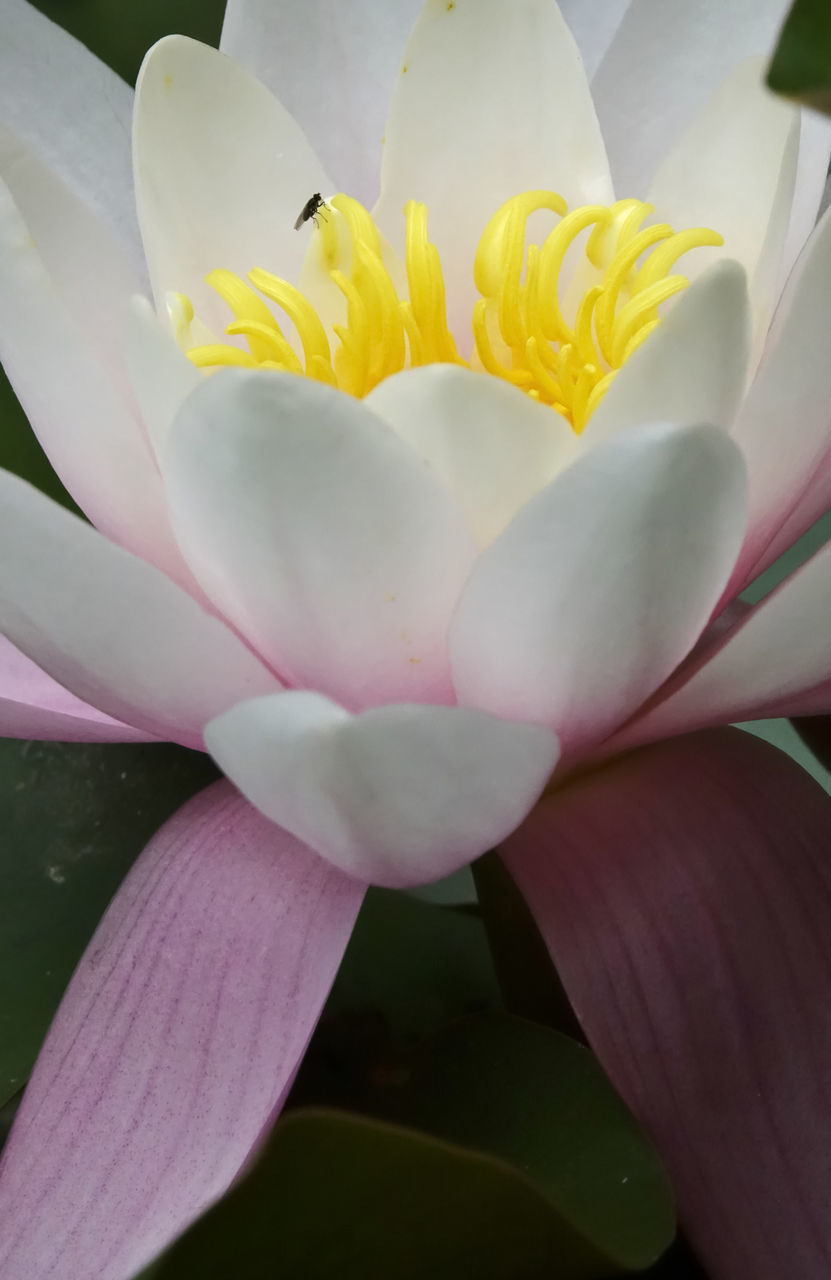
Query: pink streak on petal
pixel 685 894
pixel 175 1043
pixel 33 705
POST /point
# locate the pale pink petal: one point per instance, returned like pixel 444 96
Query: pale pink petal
pixel 784 427
pixel 685 895
pixel 602 583
pixel 329 544
pixel 89 431
pixel 175 1045
pixel 33 705
pixel 493 446
pixel 333 67
pixel 221 173
pixel 400 795
pixel 111 628
pixel 73 112
pixel 663 62
pixel 693 368
pixel 492 100
pixel 776 660
pixel 734 169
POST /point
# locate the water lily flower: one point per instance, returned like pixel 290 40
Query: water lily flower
pixel 418 520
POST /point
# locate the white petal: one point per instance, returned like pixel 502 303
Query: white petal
pixel 112 629
pixel 221 171
pixel 603 583
pixel 331 546
pixel 90 434
pixel 784 427
pixel 161 375
pixel 85 263
pixel 775 656
pixel 692 368
pixel 734 169
pixel 811 174
pixel 493 101
pixel 492 446
pixel 333 67
pixel 74 112
pixel 664 61
pixel 399 795
pixel 593 27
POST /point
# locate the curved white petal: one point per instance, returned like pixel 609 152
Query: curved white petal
pixel 784 427
pixel 603 583
pixel 492 446
pixel 491 100
pixel 84 260
pixel 161 375
pixel 692 368
pixel 111 628
pixel 663 62
pixel 399 795
pixel 333 67
pixel 221 173
pixel 331 546
pixel 777 653
pixel 734 169
pixel 73 112
pixel 91 435
pixel 811 174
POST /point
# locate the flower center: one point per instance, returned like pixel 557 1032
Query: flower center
pixel 557 320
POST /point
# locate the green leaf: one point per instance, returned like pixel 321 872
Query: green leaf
pixel 338 1197
pixel 410 967
pixel 538 1100
pixel 801 66
pixel 121 36
pixel 74 817
pixel 530 985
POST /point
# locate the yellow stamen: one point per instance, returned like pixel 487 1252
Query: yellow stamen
pixel 561 346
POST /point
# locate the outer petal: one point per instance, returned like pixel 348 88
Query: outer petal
pixel 32 705
pixel 784 428
pixel 400 795
pixel 664 61
pixel 602 583
pixel 79 413
pixel 74 113
pixel 811 174
pixel 593 27
pixel 775 661
pixel 492 100
pixel 692 368
pixel 685 895
pixel 332 67
pixel 113 629
pixel 83 259
pixel 175 1044
pixel 221 173
pixel 331 546
pixel 492 445
pixel 161 375
pixel 734 169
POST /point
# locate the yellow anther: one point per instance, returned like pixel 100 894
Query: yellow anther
pixel 561 346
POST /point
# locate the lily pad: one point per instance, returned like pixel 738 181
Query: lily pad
pixel 801 66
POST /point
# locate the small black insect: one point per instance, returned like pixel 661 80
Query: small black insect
pixel 310 211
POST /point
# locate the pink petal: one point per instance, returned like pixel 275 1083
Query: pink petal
pixel 175 1044
pixel 33 705
pixel 685 894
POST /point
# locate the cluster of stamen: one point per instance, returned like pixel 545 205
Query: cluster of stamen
pixel 520 330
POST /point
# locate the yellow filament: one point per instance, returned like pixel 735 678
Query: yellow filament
pixel 562 347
